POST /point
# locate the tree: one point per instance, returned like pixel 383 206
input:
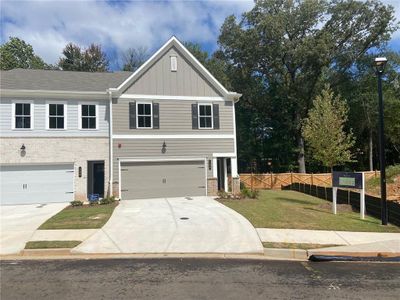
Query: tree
pixel 16 53
pixel 91 59
pixel 291 48
pixel 323 130
pixel 133 58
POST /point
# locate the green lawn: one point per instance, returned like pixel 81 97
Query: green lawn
pixel 290 209
pixel 80 217
pixel 51 244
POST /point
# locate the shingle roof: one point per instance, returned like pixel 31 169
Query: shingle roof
pixel 53 80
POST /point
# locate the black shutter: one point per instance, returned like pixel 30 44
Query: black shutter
pixel 132 115
pixel 195 117
pixel 156 116
pixel 216 116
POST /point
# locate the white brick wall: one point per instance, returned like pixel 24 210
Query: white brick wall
pixel 58 150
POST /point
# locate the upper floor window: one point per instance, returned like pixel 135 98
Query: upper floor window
pixel 88 116
pixel 144 115
pixel 205 116
pixel 56 116
pixel 23 116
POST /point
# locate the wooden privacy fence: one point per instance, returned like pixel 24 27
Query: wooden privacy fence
pixel 276 181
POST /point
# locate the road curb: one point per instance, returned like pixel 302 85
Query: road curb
pixel 286 253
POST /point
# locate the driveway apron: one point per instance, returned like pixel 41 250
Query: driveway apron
pixel 174 225
pixel 19 222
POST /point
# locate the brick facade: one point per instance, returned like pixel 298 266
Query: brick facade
pixel 212 186
pixel 59 150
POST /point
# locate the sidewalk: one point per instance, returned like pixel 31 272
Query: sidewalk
pixel 323 237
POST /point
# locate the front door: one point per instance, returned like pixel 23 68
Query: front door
pixel 96 177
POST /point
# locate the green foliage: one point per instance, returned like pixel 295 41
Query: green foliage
pixel 76 203
pixel 92 59
pixel 281 54
pixel 133 58
pixel 16 53
pixel 107 200
pixel 391 173
pixel 324 131
pixel 248 193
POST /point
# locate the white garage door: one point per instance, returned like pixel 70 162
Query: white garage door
pixel 162 179
pixel 24 184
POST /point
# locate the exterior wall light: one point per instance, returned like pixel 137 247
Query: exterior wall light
pixel 23 150
pixel 164 148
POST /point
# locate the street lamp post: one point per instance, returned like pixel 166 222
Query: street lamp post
pixel 380 63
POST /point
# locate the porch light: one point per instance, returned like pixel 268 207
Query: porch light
pixel 23 150
pixel 164 148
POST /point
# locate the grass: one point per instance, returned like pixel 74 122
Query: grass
pixel 304 246
pixel 290 209
pixel 51 244
pixel 373 184
pixel 80 217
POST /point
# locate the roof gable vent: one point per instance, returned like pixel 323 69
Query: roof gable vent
pixel 174 63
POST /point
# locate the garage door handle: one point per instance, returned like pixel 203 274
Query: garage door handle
pixel 124 190
pixel 69 192
pixel 202 186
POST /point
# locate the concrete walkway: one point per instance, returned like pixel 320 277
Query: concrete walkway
pixel 323 236
pixel 173 225
pixel 19 222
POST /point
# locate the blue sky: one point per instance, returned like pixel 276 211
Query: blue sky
pixel 48 25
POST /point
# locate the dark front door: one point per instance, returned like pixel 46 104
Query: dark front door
pixel 98 178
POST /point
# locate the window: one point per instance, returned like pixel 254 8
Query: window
pixel 23 116
pixel 88 116
pixel 205 116
pixel 144 115
pixel 56 116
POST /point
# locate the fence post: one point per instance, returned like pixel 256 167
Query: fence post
pixel 312 179
pixel 251 181
pixel 272 177
pixel 291 177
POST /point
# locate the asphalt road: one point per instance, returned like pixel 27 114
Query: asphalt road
pixel 197 279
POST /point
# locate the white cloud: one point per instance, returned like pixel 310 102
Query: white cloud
pixel 49 25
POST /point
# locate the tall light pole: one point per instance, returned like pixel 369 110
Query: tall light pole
pixel 380 63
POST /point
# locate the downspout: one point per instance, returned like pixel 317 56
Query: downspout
pixel 110 146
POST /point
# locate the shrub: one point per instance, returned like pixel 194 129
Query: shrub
pixel 107 200
pixel 247 193
pixel 76 203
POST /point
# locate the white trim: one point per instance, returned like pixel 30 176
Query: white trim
pixel 80 116
pixel 198 116
pixel 173 136
pixel 169 97
pixel 225 174
pixel 226 154
pixel 110 146
pixel 158 159
pixel 32 114
pixel 48 115
pixel 234 162
pixel 215 167
pixel 173 41
pixel 56 94
pixel 137 114
pixel 174 63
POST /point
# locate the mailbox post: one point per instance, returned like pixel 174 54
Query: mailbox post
pixel 348 180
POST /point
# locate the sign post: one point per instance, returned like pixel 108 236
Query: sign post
pixel 348 180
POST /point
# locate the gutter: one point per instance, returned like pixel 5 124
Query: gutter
pixel 55 94
pixel 110 146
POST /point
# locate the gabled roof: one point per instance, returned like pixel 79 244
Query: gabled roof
pixel 174 42
pixel 54 80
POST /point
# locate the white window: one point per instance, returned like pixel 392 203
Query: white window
pixel 88 116
pixel 144 115
pixel 174 63
pixel 56 116
pixel 205 116
pixel 22 115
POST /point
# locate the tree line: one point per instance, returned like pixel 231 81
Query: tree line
pixel 305 69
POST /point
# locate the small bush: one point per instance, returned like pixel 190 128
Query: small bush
pixel 247 193
pixel 107 200
pixel 76 203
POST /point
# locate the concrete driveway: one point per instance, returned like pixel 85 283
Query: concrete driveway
pixel 19 222
pixel 174 225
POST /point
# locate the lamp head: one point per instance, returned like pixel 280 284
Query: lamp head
pixel 380 63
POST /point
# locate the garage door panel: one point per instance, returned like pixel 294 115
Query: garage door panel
pixel 162 179
pixel 24 184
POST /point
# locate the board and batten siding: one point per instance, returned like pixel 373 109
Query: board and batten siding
pixel 151 148
pixel 39 117
pixel 175 118
pixel 160 80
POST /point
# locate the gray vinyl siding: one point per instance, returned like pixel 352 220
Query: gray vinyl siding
pixel 160 80
pixel 39 117
pixel 151 148
pixel 175 118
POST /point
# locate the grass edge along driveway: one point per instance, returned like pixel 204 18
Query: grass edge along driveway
pixel 80 217
pixel 294 210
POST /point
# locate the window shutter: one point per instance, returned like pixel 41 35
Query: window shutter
pixel 216 116
pixel 195 117
pixel 132 115
pixel 156 116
